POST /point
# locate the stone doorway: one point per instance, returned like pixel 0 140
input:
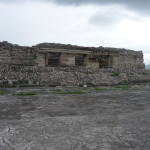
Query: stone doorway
pixel 103 61
pixel 53 59
pixel 79 59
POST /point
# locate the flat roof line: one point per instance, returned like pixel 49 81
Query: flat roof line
pixel 64 50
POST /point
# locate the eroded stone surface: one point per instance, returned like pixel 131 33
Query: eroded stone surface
pixel 98 120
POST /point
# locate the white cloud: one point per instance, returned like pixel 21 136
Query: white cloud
pixel 31 23
pixel 35 22
pixel 135 30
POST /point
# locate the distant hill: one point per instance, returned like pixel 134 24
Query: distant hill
pixel 148 67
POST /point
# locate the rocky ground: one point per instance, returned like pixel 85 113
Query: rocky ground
pixel 74 118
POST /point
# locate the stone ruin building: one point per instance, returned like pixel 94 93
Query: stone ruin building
pixel 55 55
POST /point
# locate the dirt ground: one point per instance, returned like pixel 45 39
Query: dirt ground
pixel 75 118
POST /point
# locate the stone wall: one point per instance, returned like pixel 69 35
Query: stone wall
pixel 129 59
pixel 16 55
pixel 67 59
pixel 119 57
pixel 40 59
pixel 70 76
pixel 90 63
pixel 19 55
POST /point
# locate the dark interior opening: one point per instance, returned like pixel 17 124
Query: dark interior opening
pixel 94 59
pixel 103 61
pixel 79 60
pixel 54 59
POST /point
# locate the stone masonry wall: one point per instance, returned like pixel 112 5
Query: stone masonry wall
pixel 122 58
pixel 16 55
pixel 129 60
pixel 70 75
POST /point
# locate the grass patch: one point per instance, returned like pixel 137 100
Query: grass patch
pixel 86 88
pixel 69 92
pixel 101 89
pixel 1 93
pixel 126 88
pixel 83 91
pixel 25 94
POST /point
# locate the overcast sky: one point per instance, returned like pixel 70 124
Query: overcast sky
pixel 109 23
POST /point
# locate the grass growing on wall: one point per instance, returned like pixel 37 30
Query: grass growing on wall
pixel 115 74
pixel 145 73
pixel 14 68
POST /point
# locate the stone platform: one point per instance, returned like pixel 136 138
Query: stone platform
pixel 73 118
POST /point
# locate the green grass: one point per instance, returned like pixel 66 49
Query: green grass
pixel 1 93
pixel 89 90
pixel 83 91
pixel 117 87
pixel 25 94
pixel 86 88
pixel 102 89
pixel 69 92
pixel 126 88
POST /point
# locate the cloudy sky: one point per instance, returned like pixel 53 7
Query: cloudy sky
pixel 109 23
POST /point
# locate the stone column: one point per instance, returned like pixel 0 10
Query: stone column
pixel 67 59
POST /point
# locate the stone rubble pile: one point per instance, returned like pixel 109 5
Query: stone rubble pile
pixel 70 75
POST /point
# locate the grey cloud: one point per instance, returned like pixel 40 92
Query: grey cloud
pixel 104 19
pixel 111 17
pixel 138 5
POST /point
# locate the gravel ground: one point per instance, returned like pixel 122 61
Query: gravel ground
pixel 73 118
